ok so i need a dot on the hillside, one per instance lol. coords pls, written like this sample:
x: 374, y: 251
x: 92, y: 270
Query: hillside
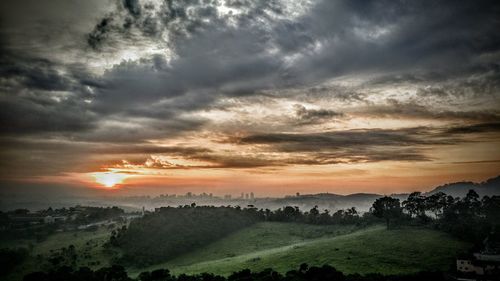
x: 169, y: 232
x: 363, y: 201
x: 282, y: 246
x: 88, y: 246
x: 286, y: 246
x: 459, y: 189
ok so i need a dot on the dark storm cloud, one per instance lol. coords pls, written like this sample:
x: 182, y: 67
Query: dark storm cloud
x: 179, y: 18
x: 99, y: 33
x: 24, y: 116
x: 413, y: 110
x: 443, y: 37
x: 212, y: 56
x: 98, y: 148
x: 476, y: 128
x: 21, y: 71
x: 40, y: 96
x: 133, y: 7
x: 27, y: 97
x: 349, y: 138
x: 208, y: 56
x: 230, y: 55
x: 129, y: 131
x: 351, y: 146
x: 348, y: 146
x: 362, y: 145
x: 314, y: 116
x: 336, y: 93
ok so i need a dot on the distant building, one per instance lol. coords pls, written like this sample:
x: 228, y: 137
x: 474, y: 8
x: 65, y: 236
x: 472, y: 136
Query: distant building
x: 227, y: 196
x: 251, y: 195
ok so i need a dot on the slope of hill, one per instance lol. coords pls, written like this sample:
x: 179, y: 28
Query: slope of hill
x: 459, y: 189
x: 170, y: 232
x: 363, y: 201
x: 285, y: 246
x: 88, y: 246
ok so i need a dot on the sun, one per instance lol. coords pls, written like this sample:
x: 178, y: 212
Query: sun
x: 109, y: 179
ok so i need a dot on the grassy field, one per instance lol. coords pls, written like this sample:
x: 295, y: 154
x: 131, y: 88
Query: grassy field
x: 88, y: 246
x: 285, y: 246
x: 259, y: 237
x: 282, y: 246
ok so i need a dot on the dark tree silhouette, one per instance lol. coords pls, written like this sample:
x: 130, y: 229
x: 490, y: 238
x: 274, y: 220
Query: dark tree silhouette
x: 415, y: 204
x: 387, y: 208
x: 437, y: 202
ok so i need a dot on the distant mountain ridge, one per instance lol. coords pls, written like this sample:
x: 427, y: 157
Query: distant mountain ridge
x: 363, y: 201
x: 459, y: 189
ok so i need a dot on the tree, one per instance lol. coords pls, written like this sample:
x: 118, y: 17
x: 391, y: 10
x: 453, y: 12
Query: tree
x: 491, y: 209
x: 472, y: 202
x: 324, y: 218
x: 313, y: 215
x: 291, y: 213
x: 437, y: 202
x: 415, y: 204
x: 387, y: 208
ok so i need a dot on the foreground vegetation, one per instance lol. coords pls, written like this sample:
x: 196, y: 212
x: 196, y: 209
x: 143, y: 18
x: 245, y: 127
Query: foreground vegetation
x: 260, y: 237
x: 282, y: 246
x: 423, y: 233
x: 73, y: 248
x: 371, y: 250
x: 303, y: 273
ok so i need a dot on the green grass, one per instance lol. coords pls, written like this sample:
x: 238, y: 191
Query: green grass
x: 286, y: 246
x: 282, y: 246
x: 86, y: 243
x: 259, y: 237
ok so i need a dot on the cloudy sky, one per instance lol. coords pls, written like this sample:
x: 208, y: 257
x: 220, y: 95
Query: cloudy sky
x: 270, y: 96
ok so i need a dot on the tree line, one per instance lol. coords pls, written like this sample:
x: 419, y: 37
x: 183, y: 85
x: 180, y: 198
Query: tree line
x: 303, y: 273
x: 469, y: 218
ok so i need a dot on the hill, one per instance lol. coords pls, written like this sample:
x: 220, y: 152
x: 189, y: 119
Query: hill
x: 88, y: 248
x: 459, y: 189
x: 283, y: 246
x: 169, y: 232
x: 363, y: 201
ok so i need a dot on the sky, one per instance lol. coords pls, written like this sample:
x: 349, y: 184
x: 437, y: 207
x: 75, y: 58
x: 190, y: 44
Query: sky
x: 230, y: 96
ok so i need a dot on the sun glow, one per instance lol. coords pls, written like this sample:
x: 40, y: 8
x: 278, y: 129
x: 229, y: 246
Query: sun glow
x: 109, y: 179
